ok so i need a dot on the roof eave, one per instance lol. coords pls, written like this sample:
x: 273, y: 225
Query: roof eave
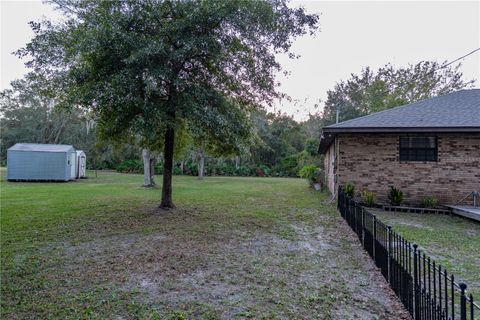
x: 399, y: 129
x: 326, y: 140
x: 329, y: 133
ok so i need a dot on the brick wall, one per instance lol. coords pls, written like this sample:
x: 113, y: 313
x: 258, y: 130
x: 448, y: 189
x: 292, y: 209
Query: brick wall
x: 371, y: 161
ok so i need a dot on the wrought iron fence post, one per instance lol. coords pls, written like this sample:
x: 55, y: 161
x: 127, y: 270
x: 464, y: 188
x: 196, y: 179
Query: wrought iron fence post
x: 415, y: 282
x: 389, y: 253
x: 363, y: 226
x: 349, y: 211
x: 463, y: 302
x: 338, y: 198
x: 374, y: 237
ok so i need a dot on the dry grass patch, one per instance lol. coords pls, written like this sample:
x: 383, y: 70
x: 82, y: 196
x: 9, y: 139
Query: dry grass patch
x: 236, y: 248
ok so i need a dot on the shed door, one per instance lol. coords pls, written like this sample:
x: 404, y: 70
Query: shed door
x: 73, y: 165
x: 82, y: 165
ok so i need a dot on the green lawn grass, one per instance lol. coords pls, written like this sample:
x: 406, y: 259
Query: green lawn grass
x: 452, y: 241
x: 262, y: 248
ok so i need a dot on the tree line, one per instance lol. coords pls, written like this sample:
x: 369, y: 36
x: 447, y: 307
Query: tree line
x: 279, y: 145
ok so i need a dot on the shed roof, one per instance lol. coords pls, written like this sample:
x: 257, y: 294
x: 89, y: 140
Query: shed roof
x: 41, y: 147
x: 454, y: 112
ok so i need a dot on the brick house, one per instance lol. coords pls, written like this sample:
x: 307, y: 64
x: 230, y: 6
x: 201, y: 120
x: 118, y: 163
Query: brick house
x: 427, y: 148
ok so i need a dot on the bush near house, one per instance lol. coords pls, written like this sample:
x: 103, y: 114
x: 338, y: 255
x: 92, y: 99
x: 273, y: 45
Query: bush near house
x: 349, y: 189
x: 368, y: 198
x: 314, y: 175
x: 395, y: 196
x: 310, y: 173
x: 429, y: 202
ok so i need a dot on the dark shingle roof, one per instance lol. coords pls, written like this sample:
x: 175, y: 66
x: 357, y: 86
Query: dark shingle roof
x: 41, y: 147
x: 454, y: 110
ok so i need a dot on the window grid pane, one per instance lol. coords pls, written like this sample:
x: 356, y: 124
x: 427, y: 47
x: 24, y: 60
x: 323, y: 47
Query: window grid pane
x: 418, y: 149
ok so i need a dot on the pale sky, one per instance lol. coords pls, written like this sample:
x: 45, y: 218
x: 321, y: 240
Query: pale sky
x: 352, y: 35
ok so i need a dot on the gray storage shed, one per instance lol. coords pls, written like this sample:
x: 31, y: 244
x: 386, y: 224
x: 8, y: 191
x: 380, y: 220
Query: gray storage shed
x: 41, y: 162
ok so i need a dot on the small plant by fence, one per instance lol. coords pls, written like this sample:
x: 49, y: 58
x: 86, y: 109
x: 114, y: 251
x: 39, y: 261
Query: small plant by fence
x: 426, y: 289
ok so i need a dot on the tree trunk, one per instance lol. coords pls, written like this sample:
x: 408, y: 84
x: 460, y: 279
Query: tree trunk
x: 60, y: 130
x: 168, y: 169
x: 201, y: 163
x: 237, y: 162
x: 147, y: 169
x: 152, y: 170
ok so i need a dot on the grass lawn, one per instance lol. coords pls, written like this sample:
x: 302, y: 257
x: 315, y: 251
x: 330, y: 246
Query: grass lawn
x: 451, y: 240
x: 235, y: 248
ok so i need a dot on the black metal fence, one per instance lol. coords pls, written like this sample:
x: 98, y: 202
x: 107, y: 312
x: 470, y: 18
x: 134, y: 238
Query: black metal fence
x: 425, y: 288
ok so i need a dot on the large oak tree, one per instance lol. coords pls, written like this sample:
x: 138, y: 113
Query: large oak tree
x: 148, y: 67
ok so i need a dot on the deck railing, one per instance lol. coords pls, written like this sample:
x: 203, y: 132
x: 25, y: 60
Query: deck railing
x: 426, y: 289
x: 475, y: 195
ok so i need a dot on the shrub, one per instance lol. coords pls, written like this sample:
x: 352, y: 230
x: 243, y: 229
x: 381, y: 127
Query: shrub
x: 286, y: 167
x: 429, y: 202
x: 177, y: 170
x: 266, y: 170
x: 227, y: 170
x: 158, y: 168
x: 259, y: 172
x: 102, y: 165
x: 309, y: 172
x: 395, y: 196
x: 243, y: 171
x: 349, y: 189
x: 130, y: 166
x: 368, y: 198
x: 191, y: 168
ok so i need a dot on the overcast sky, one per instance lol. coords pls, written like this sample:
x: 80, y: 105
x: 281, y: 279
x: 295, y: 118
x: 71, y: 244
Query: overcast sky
x: 352, y: 35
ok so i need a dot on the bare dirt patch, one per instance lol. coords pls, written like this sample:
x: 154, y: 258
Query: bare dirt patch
x: 290, y: 270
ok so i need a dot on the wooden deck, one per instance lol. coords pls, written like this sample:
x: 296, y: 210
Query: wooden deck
x: 466, y: 211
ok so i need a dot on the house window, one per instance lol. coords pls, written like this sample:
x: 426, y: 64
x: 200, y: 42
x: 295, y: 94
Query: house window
x: 418, y: 149
x: 69, y: 163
